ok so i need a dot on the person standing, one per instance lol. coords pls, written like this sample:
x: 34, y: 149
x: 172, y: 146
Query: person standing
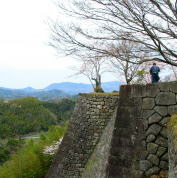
x: 154, y: 71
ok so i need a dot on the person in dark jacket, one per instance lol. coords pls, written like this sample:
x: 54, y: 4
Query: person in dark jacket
x: 154, y: 71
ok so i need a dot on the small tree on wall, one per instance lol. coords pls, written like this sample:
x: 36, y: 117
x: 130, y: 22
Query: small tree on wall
x: 92, y: 68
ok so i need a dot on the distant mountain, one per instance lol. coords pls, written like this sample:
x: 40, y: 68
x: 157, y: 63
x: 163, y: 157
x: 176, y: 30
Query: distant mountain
x: 29, y: 89
x: 70, y: 88
x: 75, y: 88
x: 40, y: 94
x: 111, y: 86
x: 56, y: 90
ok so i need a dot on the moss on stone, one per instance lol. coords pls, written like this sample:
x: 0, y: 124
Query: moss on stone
x: 89, y: 166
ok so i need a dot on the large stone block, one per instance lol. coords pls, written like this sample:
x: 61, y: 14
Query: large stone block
x: 154, y: 118
x: 165, y: 86
x: 162, y: 110
x: 163, y: 132
x: 145, y: 165
x: 152, y: 171
x: 163, y: 165
x: 165, y: 98
x: 151, y: 90
x: 161, y: 150
x: 165, y: 157
x: 172, y: 110
x: 137, y: 91
x: 164, y: 121
x: 145, y: 124
x: 147, y: 113
x: 152, y: 148
x: 153, y: 129
x: 173, y: 86
x: 148, y: 103
x: 161, y: 141
x: 153, y: 159
x: 150, y: 138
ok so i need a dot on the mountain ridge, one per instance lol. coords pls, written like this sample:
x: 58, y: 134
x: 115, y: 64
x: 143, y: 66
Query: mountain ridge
x: 75, y: 88
x: 56, y: 90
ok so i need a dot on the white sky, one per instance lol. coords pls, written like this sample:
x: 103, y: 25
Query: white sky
x: 25, y: 57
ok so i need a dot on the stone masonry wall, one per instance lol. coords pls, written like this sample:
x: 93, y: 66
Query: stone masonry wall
x: 91, y: 115
x: 97, y: 163
x: 139, y: 145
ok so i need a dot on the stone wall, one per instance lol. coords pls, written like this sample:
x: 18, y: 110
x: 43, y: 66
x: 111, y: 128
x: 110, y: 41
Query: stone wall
x: 97, y: 163
x: 134, y: 146
x: 139, y: 145
x: 91, y: 115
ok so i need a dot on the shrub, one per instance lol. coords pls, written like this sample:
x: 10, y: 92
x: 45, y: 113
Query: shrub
x: 30, y: 161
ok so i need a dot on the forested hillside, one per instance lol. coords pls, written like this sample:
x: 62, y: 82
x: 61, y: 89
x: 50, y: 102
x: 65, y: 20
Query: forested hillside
x: 62, y: 108
x: 23, y: 116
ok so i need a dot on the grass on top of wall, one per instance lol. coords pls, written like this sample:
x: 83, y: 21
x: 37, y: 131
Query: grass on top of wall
x: 172, y: 123
x: 102, y: 94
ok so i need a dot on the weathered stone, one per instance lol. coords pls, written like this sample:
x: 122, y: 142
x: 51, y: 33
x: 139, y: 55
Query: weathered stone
x: 152, y: 171
x: 152, y: 147
x: 163, y: 165
x: 162, y: 110
x: 164, y: 86
x: 90, y: 116
x: 161, y: 150
x: 172, y: 109
x: 164, y: 121
x: 173, y: 86
x: 99, y: 106
x: 145, y: 124
x: 138, y: 101
x: 150, y: 138
x: 152, y: 90
x: 153, y: 129
x: 153, y: 159
x: 145, y: 165
x: 165, y: 157
x: 163, y: 132
x: 161, y: 141
x: 154, y: 118
x: 147, y: 113
x: 165, y: 98
x: 137, y: 91
x: 148, y: 103
x: 143, y: 155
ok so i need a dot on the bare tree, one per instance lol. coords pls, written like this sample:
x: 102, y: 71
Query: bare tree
x: 92, y: 67
x: 153, y: 23
x: 127, y: 51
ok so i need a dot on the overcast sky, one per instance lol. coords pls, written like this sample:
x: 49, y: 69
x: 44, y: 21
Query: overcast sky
x: 25, y: 57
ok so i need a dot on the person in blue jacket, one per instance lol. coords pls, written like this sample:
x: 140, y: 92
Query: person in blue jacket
x: 154, y: 71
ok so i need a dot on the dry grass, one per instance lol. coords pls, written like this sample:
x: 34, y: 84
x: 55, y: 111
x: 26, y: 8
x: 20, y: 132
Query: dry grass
x: 163, y: 174
x: 103, y: 94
